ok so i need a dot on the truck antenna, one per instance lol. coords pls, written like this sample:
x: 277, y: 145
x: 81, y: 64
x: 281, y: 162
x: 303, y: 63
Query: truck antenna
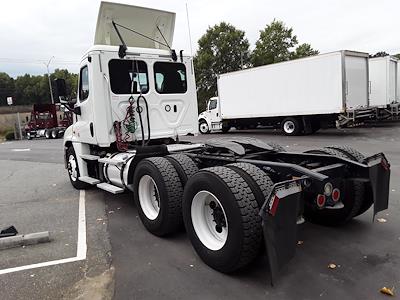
x: 190, y: 36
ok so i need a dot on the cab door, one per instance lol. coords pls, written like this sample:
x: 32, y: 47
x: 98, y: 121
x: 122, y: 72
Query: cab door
x: 213, y: 110
x: 84, y: 128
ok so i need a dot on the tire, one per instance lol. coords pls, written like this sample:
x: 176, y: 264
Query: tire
x: 352, y: 200
x: 203, y: 127
x: 158, y: 195
x: 28, y: 136
x: 184, y: 166
x: 276, y: 147
x: 225, y: 128
x: 47, y: 134
x: 238, y: 242
x: 259, y: 182
x: 73, y: 170
x: 54, y: 134
x: 355, y: 155
x: 291, y: 126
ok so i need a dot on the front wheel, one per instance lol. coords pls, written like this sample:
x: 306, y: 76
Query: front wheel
x: 73, y: 170
x: 203, y: 127
x: 28, y: 136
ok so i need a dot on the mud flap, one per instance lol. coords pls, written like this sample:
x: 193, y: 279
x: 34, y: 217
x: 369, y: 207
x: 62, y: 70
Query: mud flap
x: 379, y: 176
x: 279, y: 215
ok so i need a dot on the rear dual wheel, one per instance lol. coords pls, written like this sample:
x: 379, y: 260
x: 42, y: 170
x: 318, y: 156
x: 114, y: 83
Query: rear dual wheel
x: 221, y: 214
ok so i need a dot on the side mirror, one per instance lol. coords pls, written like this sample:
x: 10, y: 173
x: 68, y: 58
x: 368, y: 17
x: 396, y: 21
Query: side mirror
x: 61, y: 90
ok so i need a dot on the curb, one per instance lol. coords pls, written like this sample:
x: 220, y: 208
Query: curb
x: 24, y: 240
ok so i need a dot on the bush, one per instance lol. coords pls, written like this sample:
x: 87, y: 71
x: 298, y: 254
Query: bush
x: 10, y: 136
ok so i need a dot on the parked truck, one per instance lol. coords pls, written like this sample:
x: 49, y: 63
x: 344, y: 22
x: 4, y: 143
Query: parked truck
x: 384, y: 81
x: 137, y: 98
x: 44, y: 122
x: 298, y: 96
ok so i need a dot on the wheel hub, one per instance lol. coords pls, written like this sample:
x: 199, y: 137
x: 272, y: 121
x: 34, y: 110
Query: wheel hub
x: 209, y: 220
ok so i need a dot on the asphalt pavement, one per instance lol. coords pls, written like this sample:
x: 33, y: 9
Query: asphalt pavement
x: 126, y: 261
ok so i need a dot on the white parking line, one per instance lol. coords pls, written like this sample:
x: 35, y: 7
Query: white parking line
x: 21, y: 149
x: 81, y: 247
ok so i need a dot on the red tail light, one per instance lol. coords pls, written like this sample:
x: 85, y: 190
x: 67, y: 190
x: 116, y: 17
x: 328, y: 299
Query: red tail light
x: 321, y: 201
x: 336, y: 195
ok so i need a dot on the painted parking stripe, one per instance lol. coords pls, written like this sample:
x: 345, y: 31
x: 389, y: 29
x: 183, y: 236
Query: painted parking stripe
x: 21, y: 149
x: 81, y: 248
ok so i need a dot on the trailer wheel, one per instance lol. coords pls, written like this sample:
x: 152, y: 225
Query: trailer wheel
x: 225, y: 127
x: 352, y: 199
x: 356, y: 155
x: 220, y: 213
x: 184, y: 165
x: 291, y: 126
x: 54, y: 134
x: 259, y: 182
x: 47, y: 134
x: 203, y: 127
x: 158, y: 195
x: 276, y: 147
x: 73, y: 170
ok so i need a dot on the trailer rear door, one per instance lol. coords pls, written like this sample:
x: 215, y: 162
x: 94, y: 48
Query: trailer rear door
x: 392, y: 81
x: 356, y: 81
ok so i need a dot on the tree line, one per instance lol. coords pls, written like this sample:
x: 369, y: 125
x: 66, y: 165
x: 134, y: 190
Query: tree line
x: 29, y: 89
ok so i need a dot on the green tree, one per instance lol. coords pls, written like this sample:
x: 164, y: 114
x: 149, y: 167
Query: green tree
x: 276, y: 44
x: 397, y: 56
x: 304, y: 50
x: 222, y: 49
x: 7, y: 88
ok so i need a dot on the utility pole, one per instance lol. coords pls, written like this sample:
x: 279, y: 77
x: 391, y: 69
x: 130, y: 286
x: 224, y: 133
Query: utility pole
x: 48, y: 76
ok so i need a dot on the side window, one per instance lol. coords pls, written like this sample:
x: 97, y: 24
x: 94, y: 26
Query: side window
x: 170, y: 78
x: 128, y: 76
x: 213, y: 104
x: 84, y: 84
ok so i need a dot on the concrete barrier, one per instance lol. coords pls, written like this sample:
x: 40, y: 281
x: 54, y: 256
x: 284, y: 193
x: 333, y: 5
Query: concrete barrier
x: 24, y: 240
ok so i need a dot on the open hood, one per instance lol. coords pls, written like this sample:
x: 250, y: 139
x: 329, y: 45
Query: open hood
x: 140, y: 19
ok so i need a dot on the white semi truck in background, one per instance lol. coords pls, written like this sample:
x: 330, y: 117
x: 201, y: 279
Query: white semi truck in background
x: 384, y: 86
x: 136, y: 97
x: 299, y: 96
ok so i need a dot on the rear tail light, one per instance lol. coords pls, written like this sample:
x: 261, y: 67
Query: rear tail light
x: 336, y: 195
x: 321, y: 200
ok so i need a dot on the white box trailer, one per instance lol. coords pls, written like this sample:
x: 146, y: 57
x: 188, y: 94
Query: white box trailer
x: 324, y: 88
x: 383, y: 74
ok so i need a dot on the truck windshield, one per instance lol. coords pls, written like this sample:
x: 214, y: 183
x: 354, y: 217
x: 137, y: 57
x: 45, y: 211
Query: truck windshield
x: 128, y: 76
x: 170, y: 78
x: 44, y: 116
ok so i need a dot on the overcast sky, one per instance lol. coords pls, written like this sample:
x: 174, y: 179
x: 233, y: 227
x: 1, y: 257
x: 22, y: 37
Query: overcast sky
x: 33, y: 31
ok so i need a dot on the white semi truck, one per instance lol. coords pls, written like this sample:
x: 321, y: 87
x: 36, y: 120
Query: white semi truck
x: 136, y: 98
x: 298, y: 96
x: 384, y: 85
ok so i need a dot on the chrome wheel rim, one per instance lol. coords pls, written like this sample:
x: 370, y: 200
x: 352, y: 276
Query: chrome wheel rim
x: 203, y: 127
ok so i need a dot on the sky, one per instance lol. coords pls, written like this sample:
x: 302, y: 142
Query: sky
x: 31, y: 32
